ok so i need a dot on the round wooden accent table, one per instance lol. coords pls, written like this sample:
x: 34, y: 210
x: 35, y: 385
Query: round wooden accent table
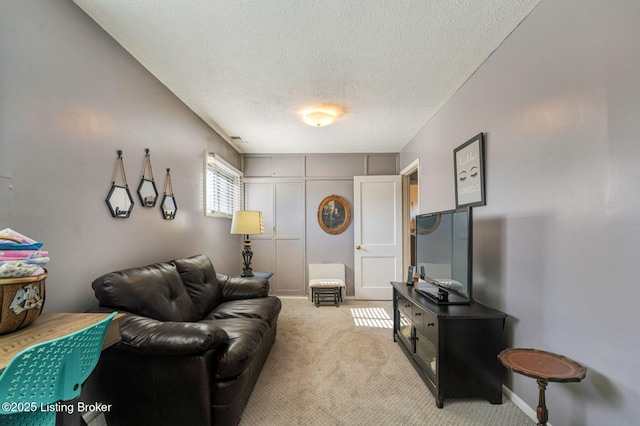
x: 544, y: 367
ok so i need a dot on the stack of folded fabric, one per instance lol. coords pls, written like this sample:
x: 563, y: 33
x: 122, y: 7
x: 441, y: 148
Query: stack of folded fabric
x: 20, y: 256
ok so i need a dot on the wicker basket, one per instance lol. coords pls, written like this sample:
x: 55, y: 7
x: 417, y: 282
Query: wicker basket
x: 21, y: 301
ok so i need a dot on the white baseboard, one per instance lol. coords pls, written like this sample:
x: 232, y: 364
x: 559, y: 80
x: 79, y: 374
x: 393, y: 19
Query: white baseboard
x: 530, y: 412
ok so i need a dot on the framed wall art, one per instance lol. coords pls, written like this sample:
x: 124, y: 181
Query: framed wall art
x: 469, y: 172
x: 334, y: 214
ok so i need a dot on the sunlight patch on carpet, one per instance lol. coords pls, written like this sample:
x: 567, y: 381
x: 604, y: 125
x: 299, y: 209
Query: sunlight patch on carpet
x: 371, y: 317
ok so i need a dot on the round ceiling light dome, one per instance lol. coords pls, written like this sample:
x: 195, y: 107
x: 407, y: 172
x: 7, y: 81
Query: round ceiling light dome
x: 318, y: 118
x: 322, y: 115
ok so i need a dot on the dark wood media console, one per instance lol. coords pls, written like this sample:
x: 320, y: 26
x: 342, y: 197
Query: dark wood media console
x: 454, y: 348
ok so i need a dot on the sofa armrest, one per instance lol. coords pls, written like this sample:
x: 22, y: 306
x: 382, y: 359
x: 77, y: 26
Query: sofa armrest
x: 153, y: 337
x: 234, y: 288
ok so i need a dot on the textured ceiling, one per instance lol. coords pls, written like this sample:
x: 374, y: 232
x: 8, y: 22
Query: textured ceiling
x: 248, y: 68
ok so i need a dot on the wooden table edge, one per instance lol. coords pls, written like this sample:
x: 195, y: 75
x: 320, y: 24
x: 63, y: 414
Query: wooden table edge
x: 577, y: 378
x: 52, y: 326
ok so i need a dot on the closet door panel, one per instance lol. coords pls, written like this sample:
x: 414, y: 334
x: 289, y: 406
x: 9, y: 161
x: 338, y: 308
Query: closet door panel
x: 263, y: 256
x: 289, y: 238
x: 281, y: 249
x: 259, y: 196
x: 289, y: 219
x: 289, y: 268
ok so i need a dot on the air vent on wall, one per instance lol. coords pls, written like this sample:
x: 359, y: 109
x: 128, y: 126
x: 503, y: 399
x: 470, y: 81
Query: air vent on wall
x: 238, y: 140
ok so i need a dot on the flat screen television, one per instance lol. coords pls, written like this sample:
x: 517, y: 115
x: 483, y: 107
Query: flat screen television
x: 444, y: 256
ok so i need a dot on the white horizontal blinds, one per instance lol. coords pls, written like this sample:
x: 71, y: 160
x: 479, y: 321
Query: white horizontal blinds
x: 224, y: 187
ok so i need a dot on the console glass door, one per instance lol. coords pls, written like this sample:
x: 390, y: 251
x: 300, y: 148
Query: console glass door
x: 426, y: 350
x: 404, y: 329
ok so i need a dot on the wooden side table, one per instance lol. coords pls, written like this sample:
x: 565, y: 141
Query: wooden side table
x: 544, y: 367
x: 266, y: 275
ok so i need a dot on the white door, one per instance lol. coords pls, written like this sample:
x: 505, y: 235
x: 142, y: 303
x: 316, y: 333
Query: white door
x: 377, y: 219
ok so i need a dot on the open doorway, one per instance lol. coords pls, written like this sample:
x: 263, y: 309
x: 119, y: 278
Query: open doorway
x: 411, y: 208
x: 414, y: 209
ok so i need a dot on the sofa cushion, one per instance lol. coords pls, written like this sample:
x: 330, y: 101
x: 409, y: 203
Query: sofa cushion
x: 234, y: 288
x: 155, y: 291
x: 200, y: 279
x: 266, y: 308
x: 245, y: 339
x: 153, y: 337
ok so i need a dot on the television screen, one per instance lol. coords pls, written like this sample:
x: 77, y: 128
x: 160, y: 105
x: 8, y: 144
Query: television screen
x: 443, y: 255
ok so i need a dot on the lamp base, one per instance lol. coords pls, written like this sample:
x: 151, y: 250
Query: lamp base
x: 247, y: 254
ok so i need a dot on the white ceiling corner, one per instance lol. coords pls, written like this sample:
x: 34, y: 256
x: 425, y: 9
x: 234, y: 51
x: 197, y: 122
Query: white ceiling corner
x: 248, y: 68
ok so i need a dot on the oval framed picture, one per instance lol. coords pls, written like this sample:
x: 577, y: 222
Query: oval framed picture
x: 334, y: 214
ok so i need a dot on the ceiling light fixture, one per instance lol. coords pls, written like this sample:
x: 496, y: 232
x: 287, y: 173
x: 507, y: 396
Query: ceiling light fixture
x: 322, y: 115
x: 318, y: 118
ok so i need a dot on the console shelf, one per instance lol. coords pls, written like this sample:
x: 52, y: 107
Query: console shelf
x: 454, y: 348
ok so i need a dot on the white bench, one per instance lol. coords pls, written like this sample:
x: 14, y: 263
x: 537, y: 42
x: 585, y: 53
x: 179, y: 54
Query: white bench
x: 327, y: 283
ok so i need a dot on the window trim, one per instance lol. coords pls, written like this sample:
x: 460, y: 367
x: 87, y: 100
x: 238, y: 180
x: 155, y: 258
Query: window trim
x: 220, y: 167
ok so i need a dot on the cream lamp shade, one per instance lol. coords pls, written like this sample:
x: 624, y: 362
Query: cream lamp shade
x: 247, y: 222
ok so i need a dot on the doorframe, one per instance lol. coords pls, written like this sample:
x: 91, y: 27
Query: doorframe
x: 406, y: 173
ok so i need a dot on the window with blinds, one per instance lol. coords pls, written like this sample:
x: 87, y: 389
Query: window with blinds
x: 223, y: 187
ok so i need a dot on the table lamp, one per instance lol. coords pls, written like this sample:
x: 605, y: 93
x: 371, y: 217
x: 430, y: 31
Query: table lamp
x: 247, y: 222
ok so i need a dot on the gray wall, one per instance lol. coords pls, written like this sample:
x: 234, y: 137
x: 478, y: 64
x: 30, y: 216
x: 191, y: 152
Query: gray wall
x: 323, y: 175
x: 333, y: 174
x: 556, y: 246
x: 70, y: 96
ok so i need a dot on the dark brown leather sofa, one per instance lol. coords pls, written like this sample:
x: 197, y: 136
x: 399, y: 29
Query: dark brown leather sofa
x: 193, y: 343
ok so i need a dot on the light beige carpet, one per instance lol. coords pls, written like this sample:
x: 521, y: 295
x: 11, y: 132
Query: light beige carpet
x: 340, y: 366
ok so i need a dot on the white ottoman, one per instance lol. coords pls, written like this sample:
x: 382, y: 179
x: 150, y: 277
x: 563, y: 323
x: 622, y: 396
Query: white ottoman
x: 327, y: 283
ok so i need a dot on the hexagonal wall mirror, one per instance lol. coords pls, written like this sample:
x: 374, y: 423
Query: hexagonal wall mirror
x: 119, y: 198
x: 169, y: 207
x: 147, y: 191
x: 119, y: 201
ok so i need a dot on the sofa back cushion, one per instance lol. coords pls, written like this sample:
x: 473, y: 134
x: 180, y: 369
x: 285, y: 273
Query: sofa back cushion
x: 155, y: 291
x: 200, y: 279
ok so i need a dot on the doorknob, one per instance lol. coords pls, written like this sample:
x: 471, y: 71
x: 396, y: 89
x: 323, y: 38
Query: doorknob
x: 357, y: 247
